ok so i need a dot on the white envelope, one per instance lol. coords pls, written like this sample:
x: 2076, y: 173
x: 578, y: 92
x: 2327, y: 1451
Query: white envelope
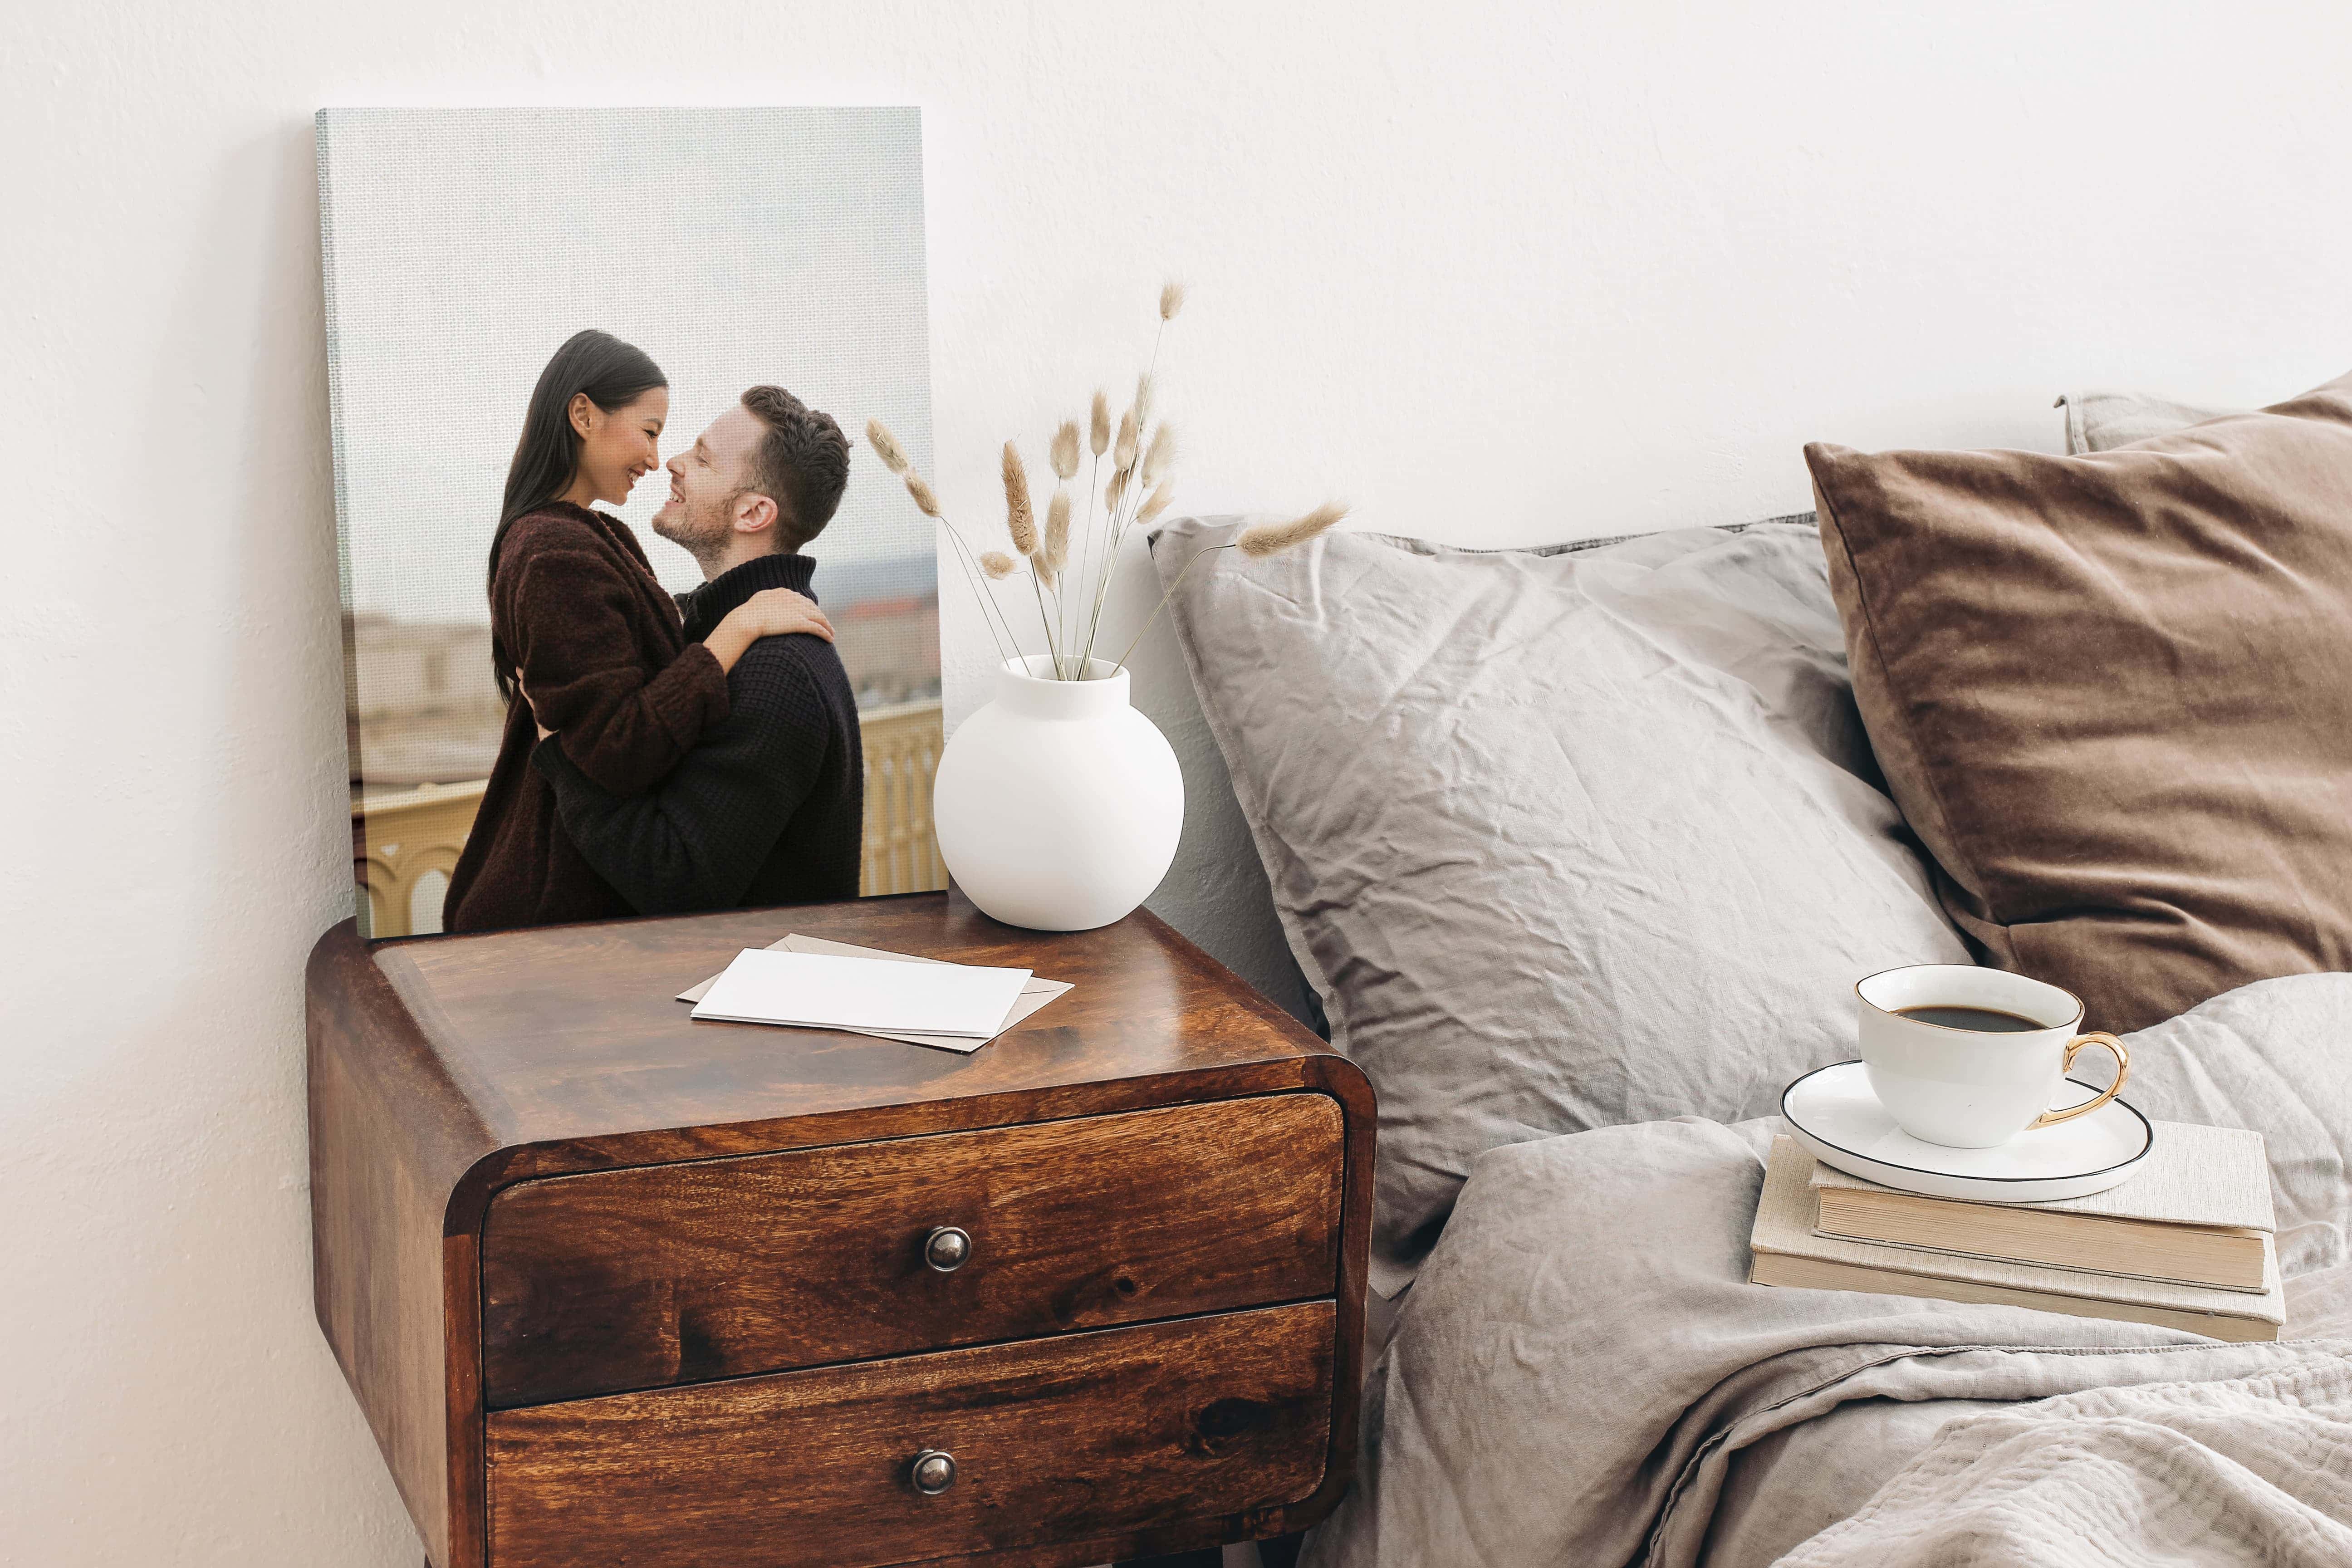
x: 1035, y: 993
x: 830, y: 991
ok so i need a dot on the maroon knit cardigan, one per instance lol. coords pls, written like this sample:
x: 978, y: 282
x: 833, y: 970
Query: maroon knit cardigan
x: 602, y: 656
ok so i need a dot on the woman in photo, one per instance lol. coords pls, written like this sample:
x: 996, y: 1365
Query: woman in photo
x: 588, y: 647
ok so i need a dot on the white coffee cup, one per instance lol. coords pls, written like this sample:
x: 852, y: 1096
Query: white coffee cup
x: 1973, y: 1086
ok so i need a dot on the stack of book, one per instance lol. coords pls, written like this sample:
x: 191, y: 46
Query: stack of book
x: 2187, y: 1243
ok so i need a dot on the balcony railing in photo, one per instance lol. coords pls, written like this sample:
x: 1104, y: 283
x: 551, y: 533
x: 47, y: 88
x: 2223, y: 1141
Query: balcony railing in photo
x: 405, y: 843
x: 902, y: 753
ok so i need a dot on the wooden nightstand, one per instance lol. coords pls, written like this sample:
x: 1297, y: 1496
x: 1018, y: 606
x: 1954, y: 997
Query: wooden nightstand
x: 617, y: 1288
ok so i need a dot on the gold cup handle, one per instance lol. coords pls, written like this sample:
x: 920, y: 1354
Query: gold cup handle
x: 2074, y: 1047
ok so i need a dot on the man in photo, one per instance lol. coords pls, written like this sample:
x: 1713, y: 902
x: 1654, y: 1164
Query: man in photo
x: 768, y: 807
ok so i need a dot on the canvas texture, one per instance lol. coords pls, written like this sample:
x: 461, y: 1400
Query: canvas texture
x: 2113, y: 695
x: 735, y: 247
x: 1562, y: 838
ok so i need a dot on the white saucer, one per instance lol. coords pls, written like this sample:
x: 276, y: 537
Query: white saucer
x: 1840, y: 1122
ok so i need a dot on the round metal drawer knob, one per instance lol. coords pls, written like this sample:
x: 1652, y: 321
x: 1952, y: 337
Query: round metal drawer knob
x: 945, y: 1250
x: 934, y: 1471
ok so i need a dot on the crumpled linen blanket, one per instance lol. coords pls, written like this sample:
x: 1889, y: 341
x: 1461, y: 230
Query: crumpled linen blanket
x: 1581, y: 1374
x: 2255, y: 1469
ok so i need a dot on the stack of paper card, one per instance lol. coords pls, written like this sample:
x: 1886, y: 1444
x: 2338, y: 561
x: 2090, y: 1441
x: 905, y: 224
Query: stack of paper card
x: 810, y: 983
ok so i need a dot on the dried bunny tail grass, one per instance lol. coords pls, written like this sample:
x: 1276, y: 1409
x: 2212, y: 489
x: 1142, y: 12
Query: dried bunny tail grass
x: 1100, y: 434
x: 997, y: 565
x: 1172, y: 300
x: 886, y: 446
x: 1065, y: 450
x: 1143, y: 400
x: 1115, y: 491
x: 1157, y: 502
x: 1019, y: 520
x: 924, y: 500
x: 1122, y: 456
x: 1058, y: 532
x: 1274, y: 538
x: 1161, y: 456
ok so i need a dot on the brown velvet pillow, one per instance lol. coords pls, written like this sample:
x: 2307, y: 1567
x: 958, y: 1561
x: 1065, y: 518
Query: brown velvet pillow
x: 2113, y: 695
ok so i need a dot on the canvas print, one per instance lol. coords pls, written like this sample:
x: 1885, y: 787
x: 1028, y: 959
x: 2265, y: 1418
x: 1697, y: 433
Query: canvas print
x: 632, y: 622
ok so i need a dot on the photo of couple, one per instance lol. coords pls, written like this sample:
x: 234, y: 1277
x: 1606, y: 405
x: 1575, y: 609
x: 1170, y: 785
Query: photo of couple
x: 631, y: 625
x: 661, y: 756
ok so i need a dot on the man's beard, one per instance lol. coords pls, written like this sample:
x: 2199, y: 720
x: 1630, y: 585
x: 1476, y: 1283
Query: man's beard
x: 700, y: 531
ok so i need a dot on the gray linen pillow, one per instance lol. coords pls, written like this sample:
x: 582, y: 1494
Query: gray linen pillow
x: 2267, y: 1056
x: 1562, y: 838
x: 2101, y: 421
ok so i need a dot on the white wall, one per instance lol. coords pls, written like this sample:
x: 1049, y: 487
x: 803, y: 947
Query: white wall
x: 1498, y: 275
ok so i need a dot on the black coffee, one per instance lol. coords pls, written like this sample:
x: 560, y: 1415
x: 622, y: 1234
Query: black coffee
x: 1985, y: 1020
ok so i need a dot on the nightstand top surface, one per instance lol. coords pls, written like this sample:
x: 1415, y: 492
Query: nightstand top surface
x: 571, y: 1033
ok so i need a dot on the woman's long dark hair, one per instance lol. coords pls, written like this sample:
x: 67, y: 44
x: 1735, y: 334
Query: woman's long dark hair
x: 613, y: 374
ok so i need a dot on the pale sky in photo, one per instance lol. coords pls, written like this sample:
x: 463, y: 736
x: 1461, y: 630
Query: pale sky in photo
x: 734, y: 246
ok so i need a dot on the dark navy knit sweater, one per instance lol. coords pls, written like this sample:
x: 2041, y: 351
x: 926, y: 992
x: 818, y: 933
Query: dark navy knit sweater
x: 768, y: 808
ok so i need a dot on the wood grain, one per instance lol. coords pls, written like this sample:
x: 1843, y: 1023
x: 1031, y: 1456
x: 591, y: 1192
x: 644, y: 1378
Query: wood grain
x: 665, y: 1274
x: 568, y: 1041
x: 444, y: 1070
x: 1055, y: 1439
x: 391, y: 1138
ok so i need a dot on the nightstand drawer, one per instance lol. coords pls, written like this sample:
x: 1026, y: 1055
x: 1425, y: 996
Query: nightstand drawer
x: 638, y: 1279
x: 1064, y: 1439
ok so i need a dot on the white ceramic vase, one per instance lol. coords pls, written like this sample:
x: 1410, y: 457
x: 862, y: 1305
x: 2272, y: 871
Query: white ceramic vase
x: 1057, y: 804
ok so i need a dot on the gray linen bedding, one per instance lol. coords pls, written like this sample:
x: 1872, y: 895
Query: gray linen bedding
x: 1513, y: 805
x: 1581, y: 1374
x: 2252, y: 1469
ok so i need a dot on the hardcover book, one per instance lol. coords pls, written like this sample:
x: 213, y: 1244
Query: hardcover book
x: 1788, y: 1252
x: 2197, y: 1212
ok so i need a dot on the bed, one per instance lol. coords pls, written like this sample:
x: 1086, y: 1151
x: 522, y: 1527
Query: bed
x: 1578, y: 849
